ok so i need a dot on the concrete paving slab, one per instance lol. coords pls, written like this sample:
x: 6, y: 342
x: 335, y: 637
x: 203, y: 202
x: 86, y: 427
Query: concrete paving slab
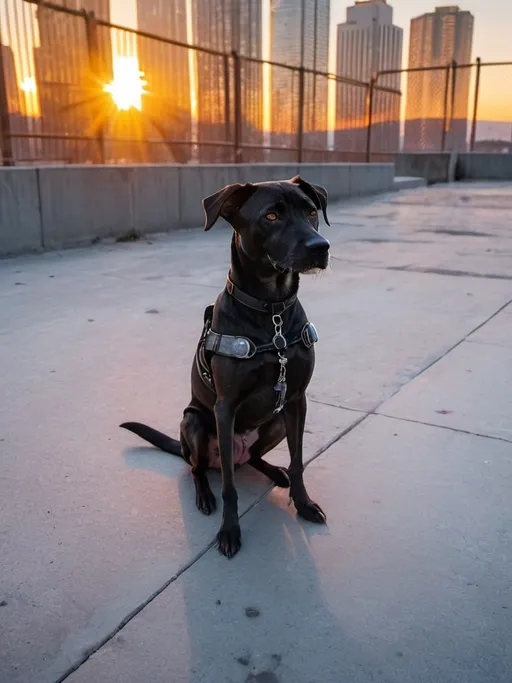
x: 496, y: 331
x: 93, y: 523
x: 102, y: 523
x: 323, y: 423
x: 409, y: 581
x: 459, y: 230
x: 470, y: 389
x: 385, y: 327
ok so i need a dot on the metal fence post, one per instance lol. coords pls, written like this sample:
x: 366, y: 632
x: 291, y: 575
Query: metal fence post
x: 454, y: 90
x: 369, y: 117
x: 445, y: 110
x: 475, y: 105
x: 300, y: 123
x: 227, y: 99
x: 5, y: 122
x: 96, y: 71
x: 237, y: 149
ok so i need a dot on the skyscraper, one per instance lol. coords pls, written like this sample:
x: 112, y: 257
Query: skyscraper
x: 166, y: 111
x: 368, y: 42
x: 12, y: 93
x: 436, y: 39
x: 299, y: 37
x: 226, y: 25
x: 66, y: 93
x: 17, y: 119
x: 101, y: 8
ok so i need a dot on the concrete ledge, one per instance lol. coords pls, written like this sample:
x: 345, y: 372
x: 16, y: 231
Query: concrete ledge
x: 197, y: 182
x: 404, y: 183
x: 433, y: 166
x: 365, y: 177
x: 349, y: 180
x: 257, y: 173
x: 478, y: 166
x: 334, y: 177
x: 156, y: 198
x: 20, y: 220
x: 82, y: 203
x: 61, y: 206
x: 442, y: 167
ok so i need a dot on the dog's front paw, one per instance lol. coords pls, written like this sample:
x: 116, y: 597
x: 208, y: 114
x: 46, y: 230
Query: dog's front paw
x: 229, y: 540
x: 310, y: 511
x: 205, y: 501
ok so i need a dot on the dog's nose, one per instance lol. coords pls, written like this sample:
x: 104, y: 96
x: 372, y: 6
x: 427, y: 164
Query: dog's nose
x: 317, y: 243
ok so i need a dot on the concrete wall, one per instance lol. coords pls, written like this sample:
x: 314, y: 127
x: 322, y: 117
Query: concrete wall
x: 435, y: 167
x: 443, y: 167
x: 477, y: 166
x: 58, y: 206
x: 20, y: 216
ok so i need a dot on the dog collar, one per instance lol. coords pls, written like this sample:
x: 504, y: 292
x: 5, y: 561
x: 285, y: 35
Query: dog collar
x: 273, y: 308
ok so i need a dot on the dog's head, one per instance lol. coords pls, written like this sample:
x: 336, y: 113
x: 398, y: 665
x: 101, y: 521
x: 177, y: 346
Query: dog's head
x: 275, y: 221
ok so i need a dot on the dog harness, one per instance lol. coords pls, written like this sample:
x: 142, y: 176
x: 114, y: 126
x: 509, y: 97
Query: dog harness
x: 244, y: 348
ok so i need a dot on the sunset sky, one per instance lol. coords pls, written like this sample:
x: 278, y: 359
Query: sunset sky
x: 493, y: 22
x: 492, y: 41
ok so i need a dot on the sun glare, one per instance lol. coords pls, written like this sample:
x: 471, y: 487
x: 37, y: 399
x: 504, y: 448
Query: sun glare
x: 127, y: 87
x: 28, y: 85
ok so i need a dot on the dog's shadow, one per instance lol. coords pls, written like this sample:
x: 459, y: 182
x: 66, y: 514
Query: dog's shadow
x: 251, y: 485
x: 153, y: 460
x: 256, y: 595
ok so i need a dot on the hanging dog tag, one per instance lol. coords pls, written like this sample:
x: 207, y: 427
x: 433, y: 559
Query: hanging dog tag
x: 280, y: 388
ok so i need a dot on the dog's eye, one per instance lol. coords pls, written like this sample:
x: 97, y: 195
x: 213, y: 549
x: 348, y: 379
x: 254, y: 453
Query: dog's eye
x: 271, y: 216
x: 312, y: 213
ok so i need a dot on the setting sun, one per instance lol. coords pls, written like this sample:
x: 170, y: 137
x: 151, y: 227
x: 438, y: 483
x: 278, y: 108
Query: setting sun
x: 127, y: 87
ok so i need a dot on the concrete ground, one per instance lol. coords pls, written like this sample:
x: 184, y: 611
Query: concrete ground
x: 107, y: 571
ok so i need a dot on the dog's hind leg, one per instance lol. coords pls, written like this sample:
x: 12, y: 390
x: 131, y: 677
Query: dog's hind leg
x: 269, y: 436
x: 194, y: 445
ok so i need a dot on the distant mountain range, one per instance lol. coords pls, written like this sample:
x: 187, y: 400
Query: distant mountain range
x: 494, y: 130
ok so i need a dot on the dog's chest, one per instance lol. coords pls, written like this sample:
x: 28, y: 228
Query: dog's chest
x: 259, y: 397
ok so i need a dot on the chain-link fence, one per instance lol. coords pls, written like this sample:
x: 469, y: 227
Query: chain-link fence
x: 491, y: 123
x: 456, y: 107
x: 101, y: 93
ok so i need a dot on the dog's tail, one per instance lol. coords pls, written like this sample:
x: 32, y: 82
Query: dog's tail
x: 155, y: 438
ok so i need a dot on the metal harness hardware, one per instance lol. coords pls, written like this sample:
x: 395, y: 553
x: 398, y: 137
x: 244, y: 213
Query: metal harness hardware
x: 279, y: 342
x: 244, y: 348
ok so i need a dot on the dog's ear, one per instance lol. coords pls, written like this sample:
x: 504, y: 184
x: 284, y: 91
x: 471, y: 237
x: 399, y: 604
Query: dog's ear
x: 316, y: 193
x: 226, y: 202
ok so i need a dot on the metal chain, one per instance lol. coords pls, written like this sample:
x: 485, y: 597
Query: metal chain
x: 280, y: 344
x: 278, y: 340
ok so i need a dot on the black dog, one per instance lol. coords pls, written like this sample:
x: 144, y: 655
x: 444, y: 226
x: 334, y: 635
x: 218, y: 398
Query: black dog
x: 248, y: 392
